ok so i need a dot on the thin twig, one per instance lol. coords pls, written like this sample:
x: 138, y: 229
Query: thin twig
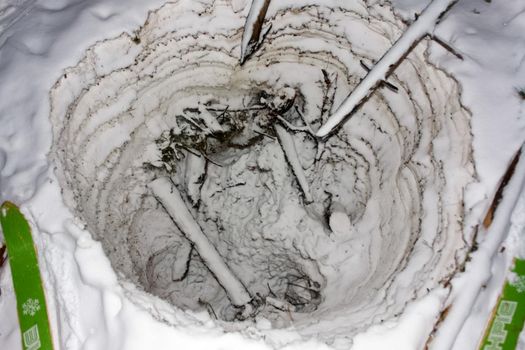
x: 303, y: 287
x: 190, y: 151
x: 211, y: 160
x: 297, y: 300
x: 171, y: 199
x: 194, y: 123
x: 222, y: 109
x: 279, y: 304
x: 270, y: 289
x: 446, y: 46
x: 303, y: 118
x: 223, y: 112
x: 209, y: 308
x: 253, y: 33
x: 392, y: 87
x: 328, y: 96
x: 291, y: 127
x: 264, y: 134
x: 288, y: 146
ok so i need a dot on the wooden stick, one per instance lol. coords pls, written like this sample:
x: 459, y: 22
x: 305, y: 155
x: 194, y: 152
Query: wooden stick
x: 417, y: 30
x: 446, y: 47
x: 170, y: 198
x: 288, y: 146
x: 253, y: 33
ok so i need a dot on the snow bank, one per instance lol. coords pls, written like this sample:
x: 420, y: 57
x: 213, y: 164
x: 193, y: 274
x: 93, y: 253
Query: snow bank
x: 101, y: 303
x: 146, y: 105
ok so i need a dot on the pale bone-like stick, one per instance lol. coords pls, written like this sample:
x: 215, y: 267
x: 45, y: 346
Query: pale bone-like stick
x: 253, y: 33
x: 417, y: 30
x: 288, y: 146
x: 170, y: 198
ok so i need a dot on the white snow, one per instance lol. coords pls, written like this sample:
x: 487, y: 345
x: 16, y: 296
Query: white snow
x: 93, y: 307
x: 468, y: 285
x: 390, y: 170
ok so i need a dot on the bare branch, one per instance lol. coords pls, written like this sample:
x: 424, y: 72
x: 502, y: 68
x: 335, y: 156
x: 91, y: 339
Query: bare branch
x: 253, y: 34
x: 170, y: 198
x: 288, y: 146
x: 417, y: 30
x: 292, y: 127
x: 447, y: 47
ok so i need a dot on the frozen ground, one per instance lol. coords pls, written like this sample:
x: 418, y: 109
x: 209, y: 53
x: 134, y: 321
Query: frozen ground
x: 91, y: 310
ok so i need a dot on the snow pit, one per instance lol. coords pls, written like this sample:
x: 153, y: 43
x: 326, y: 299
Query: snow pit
x: 328, y: 235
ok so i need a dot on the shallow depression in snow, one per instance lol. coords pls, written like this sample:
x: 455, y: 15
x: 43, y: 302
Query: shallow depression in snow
x: 329, y: 235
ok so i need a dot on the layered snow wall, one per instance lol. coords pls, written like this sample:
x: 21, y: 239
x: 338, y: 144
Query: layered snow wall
x: 380, y: 222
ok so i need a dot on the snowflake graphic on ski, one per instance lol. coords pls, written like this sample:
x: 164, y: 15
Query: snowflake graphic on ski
x: 519, y: 284
x: 30, y: 307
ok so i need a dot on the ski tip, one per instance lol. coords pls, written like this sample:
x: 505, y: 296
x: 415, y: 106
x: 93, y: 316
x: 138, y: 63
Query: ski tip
x: 7, y: 205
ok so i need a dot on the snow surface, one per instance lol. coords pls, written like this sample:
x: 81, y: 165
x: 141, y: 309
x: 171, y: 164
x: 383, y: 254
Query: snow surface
x: 91, y: 309
x: 391, y: 169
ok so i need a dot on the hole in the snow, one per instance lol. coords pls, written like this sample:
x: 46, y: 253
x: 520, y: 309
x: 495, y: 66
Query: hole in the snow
x: 349, y: 228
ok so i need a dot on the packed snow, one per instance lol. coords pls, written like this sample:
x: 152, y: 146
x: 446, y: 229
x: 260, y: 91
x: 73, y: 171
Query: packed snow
x: 358, y: 240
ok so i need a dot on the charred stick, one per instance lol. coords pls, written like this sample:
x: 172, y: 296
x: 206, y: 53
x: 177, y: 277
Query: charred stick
x: 288, y: 146
x: 446, y: 47
x: 415, y: 32
x: 253, y: 34
x: 264, y: 134
x: 170, y: 198
x: 291, y: 127
x: 330, y: 81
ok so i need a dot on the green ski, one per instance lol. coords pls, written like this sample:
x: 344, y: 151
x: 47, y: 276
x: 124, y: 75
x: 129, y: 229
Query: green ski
x: 30, y: 298
x: 509, y: 314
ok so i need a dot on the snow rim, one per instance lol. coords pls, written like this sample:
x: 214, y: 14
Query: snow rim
x: 457, y: 172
